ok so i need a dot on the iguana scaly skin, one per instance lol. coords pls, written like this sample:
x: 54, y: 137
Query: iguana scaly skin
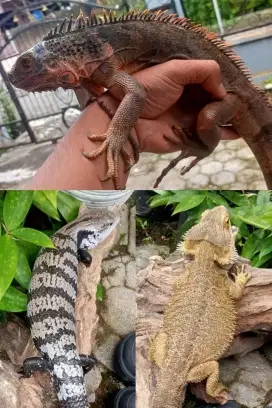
x: 51, y: 308
x: 199, y: 321
x: 102, y: 54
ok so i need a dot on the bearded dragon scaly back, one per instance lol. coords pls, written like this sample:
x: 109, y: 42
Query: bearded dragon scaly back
x: 103, y: 53
x: 199, y: 321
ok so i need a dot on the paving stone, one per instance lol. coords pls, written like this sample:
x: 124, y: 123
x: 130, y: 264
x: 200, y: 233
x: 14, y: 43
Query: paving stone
x: 222, y: 178
x: 235, y: 165
x: 131, y: 275
x: 212, y: 167
x: 120, y: 310
x: 104, y: 353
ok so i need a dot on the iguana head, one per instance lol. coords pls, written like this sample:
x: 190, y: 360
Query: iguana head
x: 46, y: 67
x: 215, y: 228
x: 65, y: 57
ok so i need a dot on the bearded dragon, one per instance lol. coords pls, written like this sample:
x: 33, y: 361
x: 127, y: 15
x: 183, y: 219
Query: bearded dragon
x: 51, y: 307
x: 99, y: 53
x: 199, y: 321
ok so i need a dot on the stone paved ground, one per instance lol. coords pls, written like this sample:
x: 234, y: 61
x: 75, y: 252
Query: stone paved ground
x: 231, y: 166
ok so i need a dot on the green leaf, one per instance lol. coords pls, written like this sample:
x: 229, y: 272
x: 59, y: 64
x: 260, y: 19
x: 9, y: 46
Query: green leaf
x: 14, y: 301
x: 8, y: 262
x: 34, y: 236
x: 100, y: 292
x: 44, y: 200
x: 218, y: 199
x: 263, y: 197
x: 258, y: 262
x: 68, y: 206
x: 158, y: 201
x: 266, y: 247
x: 16, y: 207
x: 164, y: 192
x: 189, y: 199
x: 252, y: 243
x: 235, y: 197
x: 30, y: 250
x: 243, y: 230
x: 2, y: 200
x: 259, y: 216
x: 23, y: 273
x: 52, y: 196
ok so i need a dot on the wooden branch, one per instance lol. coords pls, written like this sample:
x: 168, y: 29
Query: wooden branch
x: 154, y: 285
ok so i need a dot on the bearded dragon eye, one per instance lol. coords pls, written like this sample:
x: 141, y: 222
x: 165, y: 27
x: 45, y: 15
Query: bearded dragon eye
x: 226, y: 223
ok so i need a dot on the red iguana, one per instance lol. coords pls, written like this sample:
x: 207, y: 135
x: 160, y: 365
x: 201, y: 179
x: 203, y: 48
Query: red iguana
x: 200, y: 318
x: 102, y: 53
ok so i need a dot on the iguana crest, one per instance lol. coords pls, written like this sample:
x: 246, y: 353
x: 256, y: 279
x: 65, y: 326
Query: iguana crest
x: 108, y: 17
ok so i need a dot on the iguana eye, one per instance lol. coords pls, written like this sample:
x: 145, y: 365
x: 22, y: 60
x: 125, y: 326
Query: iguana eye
x: 26, y: 62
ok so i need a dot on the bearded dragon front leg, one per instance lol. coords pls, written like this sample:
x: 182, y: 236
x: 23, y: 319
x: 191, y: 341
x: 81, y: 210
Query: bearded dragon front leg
x: 115, y: 139
x: 241, y: 278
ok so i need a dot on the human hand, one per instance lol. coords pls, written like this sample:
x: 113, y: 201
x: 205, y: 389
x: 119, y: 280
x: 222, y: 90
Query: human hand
x: 168, y: 105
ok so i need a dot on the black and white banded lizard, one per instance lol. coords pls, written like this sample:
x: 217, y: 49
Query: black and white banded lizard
x: 51, y: 308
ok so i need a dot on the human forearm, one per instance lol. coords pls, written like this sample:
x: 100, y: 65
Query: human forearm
x: 67, y: 168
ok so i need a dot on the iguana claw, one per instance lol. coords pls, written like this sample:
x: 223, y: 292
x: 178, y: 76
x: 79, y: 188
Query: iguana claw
x: 114, y: 150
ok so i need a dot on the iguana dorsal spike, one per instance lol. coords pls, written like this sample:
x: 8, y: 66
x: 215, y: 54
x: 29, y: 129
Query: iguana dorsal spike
x: 137, y: 14
x: 129, y: 15
x: 101, y: 21
x: 70, y: 24
x: 144, y: 14
x: 88, y: 21
x: 94, y: 18
x: 114, y: 16
x: 63, y: 24
x: 56, y: 29
x: 158, y: 14
x: 152, y: 16
x: 121, y: 18
x: 110, y: 16
x: 105, y: 17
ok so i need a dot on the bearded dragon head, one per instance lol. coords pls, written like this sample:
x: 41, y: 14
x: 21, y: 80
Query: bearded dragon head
x: 66, y: 58
x: 215, y: 228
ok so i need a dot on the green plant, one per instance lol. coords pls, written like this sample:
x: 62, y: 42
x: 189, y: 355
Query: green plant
x: 250, y: 212
x: 9, y: 115
x: 203, y: 11
x: 19, y: 244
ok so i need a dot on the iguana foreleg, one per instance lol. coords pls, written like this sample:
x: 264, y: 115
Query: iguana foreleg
x: 115, y: 139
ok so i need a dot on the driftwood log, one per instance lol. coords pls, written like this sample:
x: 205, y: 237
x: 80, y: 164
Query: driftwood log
x: 154, y: 284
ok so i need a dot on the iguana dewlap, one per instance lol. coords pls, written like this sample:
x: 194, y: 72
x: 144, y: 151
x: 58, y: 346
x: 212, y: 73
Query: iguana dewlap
x: 199, y: 320
x: 102, y: 54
